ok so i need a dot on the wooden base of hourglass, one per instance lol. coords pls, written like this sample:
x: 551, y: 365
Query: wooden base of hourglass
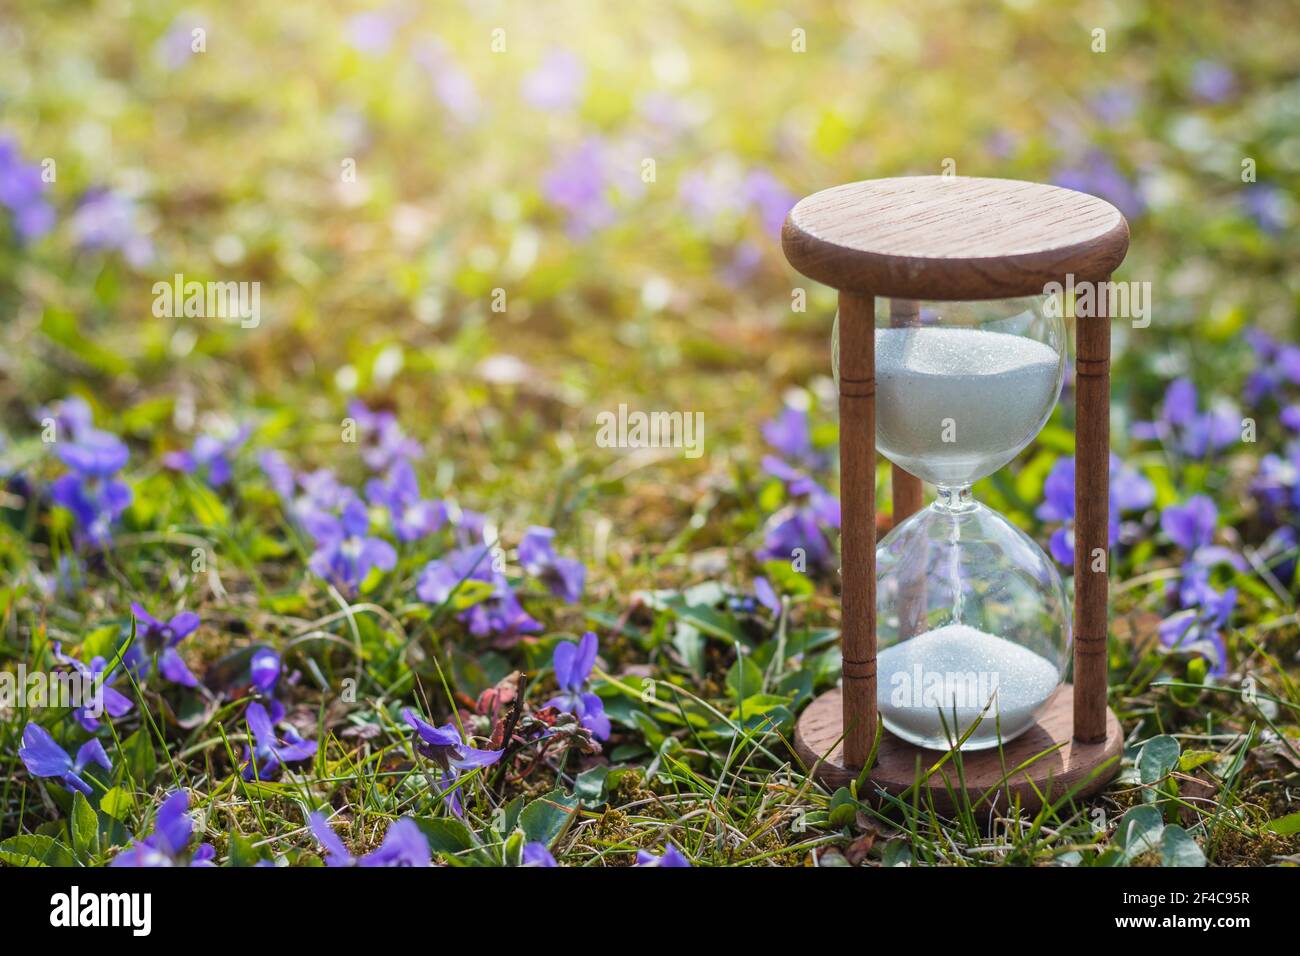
x: 1045, y: 763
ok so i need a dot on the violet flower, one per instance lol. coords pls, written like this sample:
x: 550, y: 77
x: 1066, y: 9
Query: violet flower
x: 112, y: 701
x: 573, y: 664
x: 791, y: 434
x: 798, y: 527
x: 1182, y: 428
x: 22, y: 191
x: 1129, y: 491
x: 767, y: 596
x: 537, y: 854
x: 1202, y: 611
x: 269, y: 750
x: 557, y: 83
x: 345, y: 551
x: 1276, y: 364
x: 1097, y: 174
x: 90, y: 491
x: 672, y: 857
x: 168, y: 845
x: 444, y: 747
x: 578, y: 183
x: 412, y: 517
x: 769, y: 198
x: 155, y: 641
x: 106, y: 220
x: 563, y: 577
x: 384, y: 441
x: 209, y: 458
x: 404, y: 845
x: 44, y: 758
x: 278, y: 471
x: 499, y: 614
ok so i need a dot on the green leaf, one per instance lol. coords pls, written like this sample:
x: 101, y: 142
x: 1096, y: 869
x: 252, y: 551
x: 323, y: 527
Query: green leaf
x: 744, y: 679
x: 589, y: 786
x: 1177, y: 848
x: 446, y: 835
x: 141, y: 762
x: 116, y: 803
x: 1139, y: 831
x: 546, y: 817
x: 241, y: 852
x: 843, y: 808
x: 33, y: 849
x: 1192, y: 759
x: 1158, y: 758
x: 1286, y: 825
x: 84, y: 827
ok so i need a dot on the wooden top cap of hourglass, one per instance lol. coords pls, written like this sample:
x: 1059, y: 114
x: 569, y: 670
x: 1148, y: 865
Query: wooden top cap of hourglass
x: 953, y: 237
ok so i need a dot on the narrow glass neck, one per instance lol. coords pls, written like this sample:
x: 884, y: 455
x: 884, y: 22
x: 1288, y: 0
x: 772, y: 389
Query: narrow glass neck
x: 953, y: 498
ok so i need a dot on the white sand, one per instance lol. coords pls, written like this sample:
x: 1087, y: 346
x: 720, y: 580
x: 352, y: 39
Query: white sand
x: 959, y: 667
x: 989, y: 390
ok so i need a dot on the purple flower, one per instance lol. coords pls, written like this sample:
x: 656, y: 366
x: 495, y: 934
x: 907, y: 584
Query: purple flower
x: 372, y: 31
x: 269, y: 750
x: 404, y: 845
x: 790, y: 434
x: 798, y: 527
x: 72, y: 416
x: 209, y: 459
x: 90, y: 491
x: 767, y: 596
x: 168, y: 845
x: 176, y: 46
x: 345, y: 551
x: 1129, y: 491
x: 537, y: 854
x: 672, y: 857
x: 1098, y: 175
x: 444, y: 747
x: 451, y: 85
x: 1275, y: 485
x: 112, y: 702
x: 578, y: 183
x: 413, y: 517
x: 278, y: 472
x: 44, y: 758
x: 499, y: 613
x: 22, y: 191
x: 156, y: 641
x: 563, y: 577
x: 1267, y: 206
x: 1191, y: 526
x: 384, y: 441
x: 1199, y: 628
x: 573, y: 664
x: 557, y: 83
x: 1212, y: 82
x: 264, y: 669
x: 1181, y: 427
x: 769, y: 198
x: 105, y: 220
x: 1115, y: 105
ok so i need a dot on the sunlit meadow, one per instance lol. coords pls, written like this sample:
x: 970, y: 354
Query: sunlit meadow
x: 337, y: 533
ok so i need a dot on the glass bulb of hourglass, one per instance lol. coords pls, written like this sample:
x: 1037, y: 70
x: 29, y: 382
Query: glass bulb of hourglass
x: 973, y: 623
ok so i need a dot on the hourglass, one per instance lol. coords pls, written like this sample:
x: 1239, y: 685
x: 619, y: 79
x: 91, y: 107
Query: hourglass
x: 957, y: 635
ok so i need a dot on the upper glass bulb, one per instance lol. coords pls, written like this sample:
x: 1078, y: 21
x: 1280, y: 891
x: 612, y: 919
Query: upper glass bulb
x: 962, y: 387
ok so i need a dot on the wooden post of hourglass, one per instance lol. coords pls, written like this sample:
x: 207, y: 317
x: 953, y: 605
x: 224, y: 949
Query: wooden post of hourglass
x: 950, y: 238
x: 858, y: 522
x: 1091, y: 521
